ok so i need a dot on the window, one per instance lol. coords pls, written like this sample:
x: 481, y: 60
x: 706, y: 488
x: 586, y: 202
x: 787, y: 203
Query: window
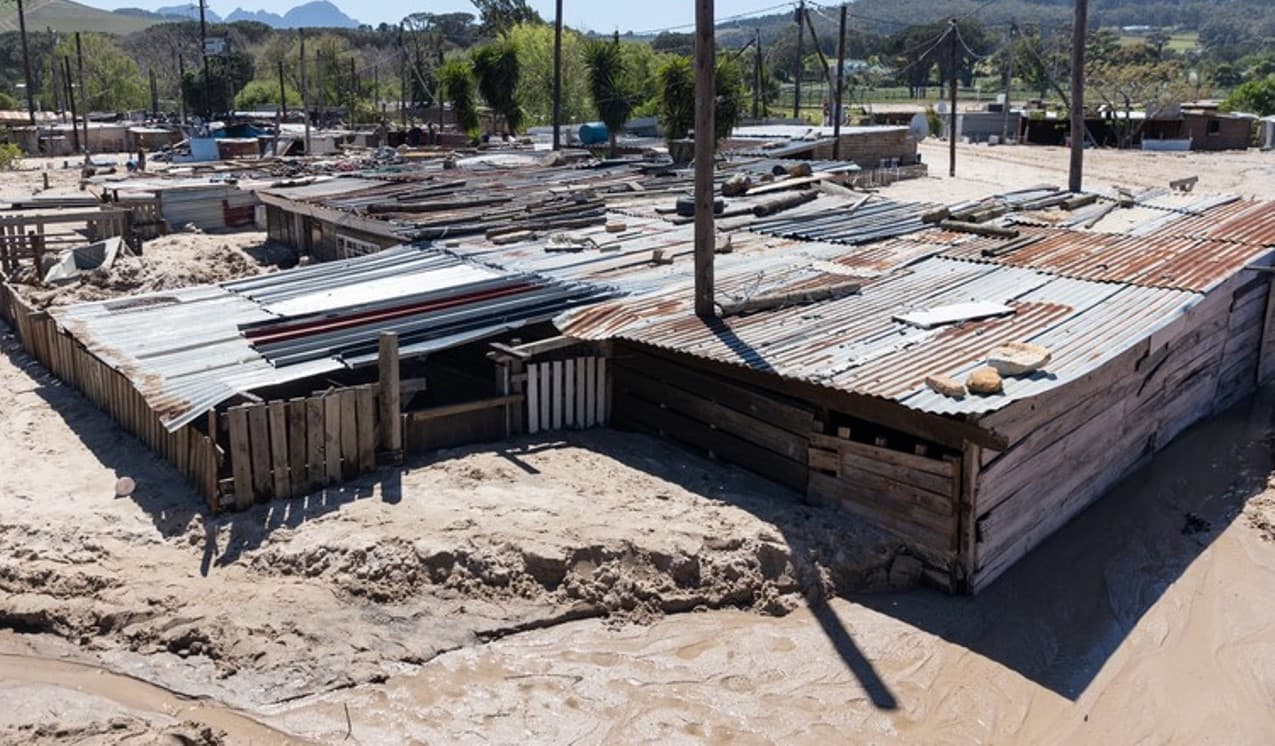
x: 1215, y: 127
x: 347, y: 247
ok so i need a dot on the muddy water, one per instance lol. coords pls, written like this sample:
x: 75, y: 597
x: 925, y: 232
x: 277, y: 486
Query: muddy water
x: 1147, y: 619
x: 92, y: 688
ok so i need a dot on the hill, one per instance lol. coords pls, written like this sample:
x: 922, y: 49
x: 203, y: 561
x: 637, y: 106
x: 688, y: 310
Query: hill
x: 66, y: 16
x: 188, y: 12
x: 317, y: 14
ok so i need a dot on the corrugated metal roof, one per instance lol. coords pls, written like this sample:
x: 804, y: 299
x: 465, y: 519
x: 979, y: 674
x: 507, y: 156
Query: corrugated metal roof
x: 186, y: 351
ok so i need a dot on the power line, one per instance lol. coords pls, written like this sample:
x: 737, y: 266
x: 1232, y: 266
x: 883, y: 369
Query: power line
x: 726, y: 19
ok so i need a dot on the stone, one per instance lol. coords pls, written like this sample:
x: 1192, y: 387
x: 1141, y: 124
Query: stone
x: 124, y: 486
x: 905, y: 571
x: 984, y: 381
x: 946, y: 385
x: 799, y: 170
x: 616, y: 227
x: 736, y: 185
x: 1018, y: 358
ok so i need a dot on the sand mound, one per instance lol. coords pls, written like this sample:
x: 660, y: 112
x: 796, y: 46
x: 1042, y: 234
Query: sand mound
x: 173, y: 261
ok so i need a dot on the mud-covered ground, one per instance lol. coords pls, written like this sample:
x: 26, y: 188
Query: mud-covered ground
x: 354, y: 585
x: 610, y: 587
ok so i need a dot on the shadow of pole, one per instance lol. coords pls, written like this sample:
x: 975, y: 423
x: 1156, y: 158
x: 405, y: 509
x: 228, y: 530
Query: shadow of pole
x: 859, y: 665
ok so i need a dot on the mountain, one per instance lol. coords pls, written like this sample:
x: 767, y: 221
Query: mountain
x: 66, y: 16
x: 188, y: 13
x: 317, y: 14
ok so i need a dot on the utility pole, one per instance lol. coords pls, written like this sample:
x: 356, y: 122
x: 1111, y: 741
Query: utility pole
x: 557, y: 75
x: 354, y: 91
x: 438, y: 90
x: 150, y: 72
x: 70, y: 97
x: 203, y: 51
x: 402, y: 78
x: 377, y: 105
x: 796, y: 78
x: 757, y: 73
x: 84, y: 92
x: 1009, y: 83
x: 305, y: 93
x: 1074, y: 177
x: 320, y: 79
x: 26, y: 64
x: 841, y: 72
x: 951, y: 126
x: 705, y: 236
x: 181, y: 82
x: 283, y: 93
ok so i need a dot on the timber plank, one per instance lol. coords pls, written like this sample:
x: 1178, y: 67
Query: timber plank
x: 787, y: 414
x: 714, y: 415
x: 928, y: 540
x: 349, y: 433
x: 938, y: 484
x: 240, y: 456
x: 557, y: 394
x: 279, y: 469
x: 889, y: 490
x: 632, y: 412
x: 298, y: 478
x: 315, y: 442
x: 533, y: 398
x: 888, y: 455
x: 259, y: 433
x: 365, y: 404
x: 331, y: 439
x: 569, y: 393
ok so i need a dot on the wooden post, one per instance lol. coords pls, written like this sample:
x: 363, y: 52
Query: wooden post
x: 705, y: 237
x: 283, y: 94
x: 203, y: 51
x: 70, y: 99
x: 841, y: 72
x: 26, y: 66
x: 391, y: 416
x: 181, y: 77
x: 951, y: 126
x: 84, y: 92
x: 1009, y: 83
x: 305, y: 94
x: 557, y: 75
x: 757, y: 73
x: 1074, y: 176
x: 796, y: 78
x: 37, y: 251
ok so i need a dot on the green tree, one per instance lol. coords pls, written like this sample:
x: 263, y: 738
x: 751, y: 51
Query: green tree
x: 677, y: 97
x: 498, y: 16
x: 496, y: 67
x: 111, y: 77
x: 610, y: 86
x: 1255, y: 97
x: 534, y: 43
x: 226, y: 76
x: 263, y: 92
x: 9, y: 103
x: 728, y: 101
x: 457, y: 79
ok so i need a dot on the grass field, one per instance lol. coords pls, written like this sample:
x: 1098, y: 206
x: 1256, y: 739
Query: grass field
x: 1183, y: 42
x: 65, y: 16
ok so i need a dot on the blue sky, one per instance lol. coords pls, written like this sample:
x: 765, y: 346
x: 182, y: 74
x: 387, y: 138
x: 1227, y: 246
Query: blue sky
x: 596, y: 15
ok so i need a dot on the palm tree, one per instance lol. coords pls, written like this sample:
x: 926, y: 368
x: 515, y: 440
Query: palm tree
x: 610, y: 85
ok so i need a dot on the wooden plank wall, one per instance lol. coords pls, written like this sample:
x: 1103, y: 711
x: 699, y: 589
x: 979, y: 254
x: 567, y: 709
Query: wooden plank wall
x: 912, y: 496
x: 193, y: 453
x: 291, y: 448
x: 1070, y: 447
x: 567, y: 394
x: 761, y: 431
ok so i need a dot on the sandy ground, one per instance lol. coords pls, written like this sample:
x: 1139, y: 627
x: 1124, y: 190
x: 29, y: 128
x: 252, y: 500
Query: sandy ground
x: 610, y: 587
x: 982, y: 170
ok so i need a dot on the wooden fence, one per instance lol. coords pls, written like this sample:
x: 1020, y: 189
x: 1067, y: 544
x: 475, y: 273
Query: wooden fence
x: 291, y: 448
x: 25, y: 237
x: 571, y: 393
x: 194, y: 453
